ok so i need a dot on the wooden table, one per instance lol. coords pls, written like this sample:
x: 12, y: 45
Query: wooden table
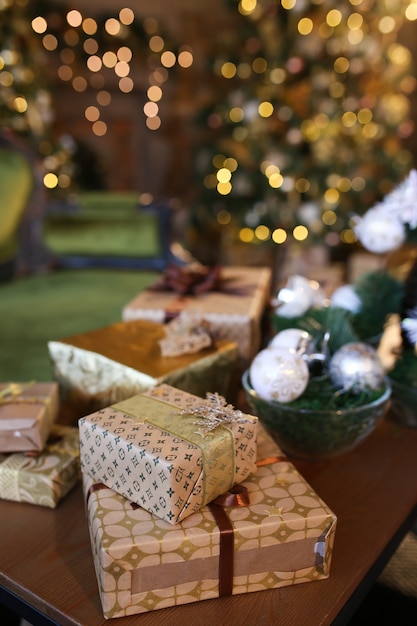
x: 47, y: 566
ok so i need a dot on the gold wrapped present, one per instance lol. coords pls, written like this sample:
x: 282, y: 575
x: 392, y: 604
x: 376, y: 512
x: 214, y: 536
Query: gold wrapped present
x: 27, y: 412
x: 281, y: 534
x: 106, y: 365
x: 169, y: 451
x: 232, y: 300
x: 43, y: 478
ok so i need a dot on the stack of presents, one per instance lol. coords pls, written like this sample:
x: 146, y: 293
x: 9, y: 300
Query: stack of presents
x: 187, y: 498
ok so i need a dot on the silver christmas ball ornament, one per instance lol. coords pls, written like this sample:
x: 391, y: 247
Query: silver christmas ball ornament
x: 356, y: 365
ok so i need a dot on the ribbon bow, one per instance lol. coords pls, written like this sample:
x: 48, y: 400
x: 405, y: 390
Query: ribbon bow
x: 189, y: 280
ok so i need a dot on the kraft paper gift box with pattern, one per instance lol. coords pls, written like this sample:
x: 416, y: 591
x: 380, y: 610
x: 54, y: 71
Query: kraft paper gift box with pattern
x: 99, y: 367
x: 27, y: 413
x: 169, y: 451
x: 233, y: 305
x: 283, y: 536
x: 46, y: 477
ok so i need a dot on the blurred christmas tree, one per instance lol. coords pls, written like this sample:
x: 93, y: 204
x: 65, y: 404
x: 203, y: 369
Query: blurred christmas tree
x: 310, y: 114
x: 44, y: 46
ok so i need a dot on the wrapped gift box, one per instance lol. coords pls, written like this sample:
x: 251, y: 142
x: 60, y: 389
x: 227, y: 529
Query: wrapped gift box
x: 158, y: 450
x: 234, y: 309
x: 284, y: 536
x: 43, y: 478
x: 106, y: 365
x: 27, y: 412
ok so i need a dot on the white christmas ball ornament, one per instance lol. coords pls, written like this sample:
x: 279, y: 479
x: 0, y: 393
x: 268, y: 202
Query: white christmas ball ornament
x: 292, y: 339
x: 378, y: 231
x: 345, y: 297
x: 358, y: 365
x: 279, y: 374
x: 295, y: 298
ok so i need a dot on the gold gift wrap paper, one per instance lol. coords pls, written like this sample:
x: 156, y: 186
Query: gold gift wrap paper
x: 284, y: 536
x: 148, y: 451
x: 27, y: 412
x: 44, y: 478
x: 109, y: 364
x: 234, y: 313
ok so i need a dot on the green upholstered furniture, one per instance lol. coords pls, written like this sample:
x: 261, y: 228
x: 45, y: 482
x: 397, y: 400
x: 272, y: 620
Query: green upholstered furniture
x: 36, y: 309
x: 108, y: 229
x: 71, y: 267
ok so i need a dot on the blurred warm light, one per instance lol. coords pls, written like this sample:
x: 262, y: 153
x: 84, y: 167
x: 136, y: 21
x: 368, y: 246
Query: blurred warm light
x: 305, y: 26
x: 329, y: 218
x: 151, y: 109
x: 126, y: 16
x: 154, y: 93
x: 20, y: 104
x: 228, y: 70
x: 153, y: 123
x: 224, y: 188
x: 279, y: 235
x: 89, y: 26
x: 112, y: 26
x: 74, y: 18
x: 79, y: 84
x: 39, y: 25
x: 246, y: 235
x: 92, y: 114
x: 265, y: 109
x: 50, y: 180
x: 156, y: 43
x: 99, y: 128
x: 50, y: 42
x: 94, y: 63
x: 300, y: 233
x: 65, y: 73
x: 103, y: 98
x: 122, y: 69
x: 109, y: 58
x: 224, y: 175
x: 168, y: 58
x: 125, y: 54
x: 90, y: 46
x: 185, y: 58
x: 126, y: 84
x: 333, y: 18
x: 262, y: 232
x: 224, y: 218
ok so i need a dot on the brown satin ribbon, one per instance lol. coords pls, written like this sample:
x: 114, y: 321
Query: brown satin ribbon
x: 189, y: 282
x: 236, y: 496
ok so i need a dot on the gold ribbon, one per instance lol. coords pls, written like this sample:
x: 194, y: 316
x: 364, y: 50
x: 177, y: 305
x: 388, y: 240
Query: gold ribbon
x: 11, y: 393
x: 217, y: 449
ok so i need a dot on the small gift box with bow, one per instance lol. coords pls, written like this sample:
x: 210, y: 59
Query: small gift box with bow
x: 169, y: 451
x: 271, y: 531
x: 43, y: 478
x: 231, y: 300
x: 27, y: 412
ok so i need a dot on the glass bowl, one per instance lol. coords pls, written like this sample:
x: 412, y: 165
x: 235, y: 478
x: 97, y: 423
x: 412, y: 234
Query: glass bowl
x: 404, y: 403
x: 313, y: 434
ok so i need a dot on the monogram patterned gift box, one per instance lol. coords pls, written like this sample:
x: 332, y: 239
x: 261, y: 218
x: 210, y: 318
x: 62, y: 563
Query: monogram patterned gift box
x: 46, y: 477
x: 280, y: 534
x: 27, y: 412
x: 169, y: 451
